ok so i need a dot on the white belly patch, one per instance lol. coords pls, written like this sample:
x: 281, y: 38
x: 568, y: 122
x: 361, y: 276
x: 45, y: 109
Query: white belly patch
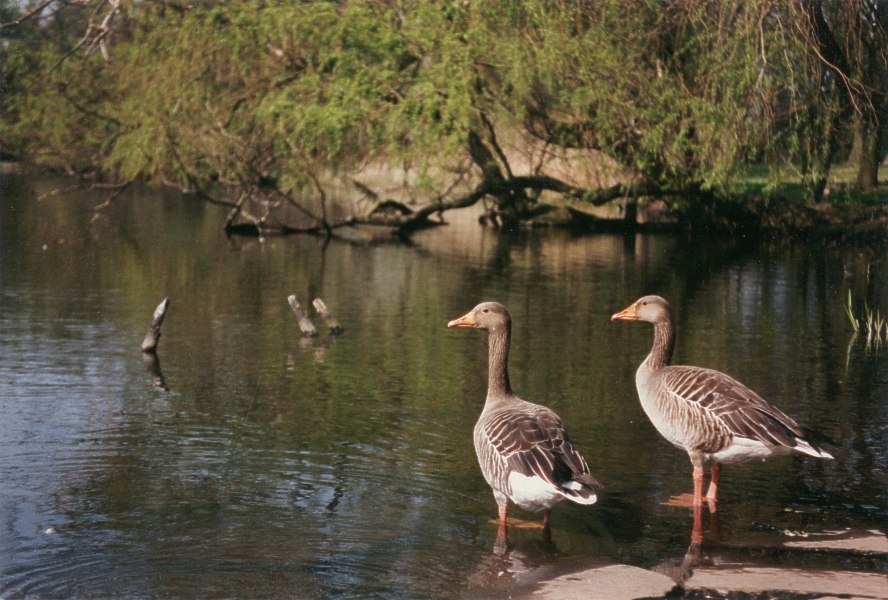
x: 744, y: 450
x: 532, y: 493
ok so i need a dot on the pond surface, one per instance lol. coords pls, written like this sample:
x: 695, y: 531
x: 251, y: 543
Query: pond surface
x: 253, y: 463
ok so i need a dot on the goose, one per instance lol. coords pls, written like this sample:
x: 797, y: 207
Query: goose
x: 524, y: 451
x: 706, y: 413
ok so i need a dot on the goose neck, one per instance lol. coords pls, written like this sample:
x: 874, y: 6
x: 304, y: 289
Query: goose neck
x: 498, y: 365
x: 664, y: 342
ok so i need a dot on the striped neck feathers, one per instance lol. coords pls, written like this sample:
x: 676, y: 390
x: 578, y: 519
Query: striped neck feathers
x: 664, y: 343
x: 498, y: 363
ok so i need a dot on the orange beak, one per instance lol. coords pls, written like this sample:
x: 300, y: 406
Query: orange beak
x: 467, y: 321
x: 627, y: 314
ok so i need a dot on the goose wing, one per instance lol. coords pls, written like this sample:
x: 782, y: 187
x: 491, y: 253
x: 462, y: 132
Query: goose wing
x: 533, y: 441
x: 735, y: 407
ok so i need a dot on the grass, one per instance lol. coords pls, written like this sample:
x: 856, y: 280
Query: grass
x: 872, y: 323
x: 785, y: 208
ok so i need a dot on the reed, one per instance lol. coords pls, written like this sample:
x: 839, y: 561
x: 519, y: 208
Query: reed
x: 872, y: 324
x: 849, y: 309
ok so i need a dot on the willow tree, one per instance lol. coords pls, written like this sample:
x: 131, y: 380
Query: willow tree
x: 269, y: 107
x: 850, y: 39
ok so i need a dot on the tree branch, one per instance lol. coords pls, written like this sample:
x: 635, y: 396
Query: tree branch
x: 829, y: 50
x: 21, y: 20
x: 120, y: 188
x: 409, y: 223
x: 496, y: 147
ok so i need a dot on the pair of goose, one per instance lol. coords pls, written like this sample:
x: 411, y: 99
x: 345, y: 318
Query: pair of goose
x: 527, y: 457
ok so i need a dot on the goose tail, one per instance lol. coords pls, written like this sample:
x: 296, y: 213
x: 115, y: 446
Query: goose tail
x: 581, y: 489
x: 806, y: 447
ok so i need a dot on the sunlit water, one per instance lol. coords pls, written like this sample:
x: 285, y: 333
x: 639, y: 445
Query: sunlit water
x: 253, y: 463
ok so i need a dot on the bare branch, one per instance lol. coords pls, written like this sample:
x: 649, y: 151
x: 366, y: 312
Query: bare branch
x: 90, y: 186
x: 121, y: 187
x: 58, y: 191
x: 323, y: 194
x: 331, y: 321
x: 149, y: 344
x: 21, y: 20
x: 405, y: 223
x: 305, y: 324
x: 95, y: 35
x: 496, y: 147
x: 236, y: 210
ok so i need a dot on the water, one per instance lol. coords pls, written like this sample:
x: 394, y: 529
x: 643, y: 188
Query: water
x: 256, y: 464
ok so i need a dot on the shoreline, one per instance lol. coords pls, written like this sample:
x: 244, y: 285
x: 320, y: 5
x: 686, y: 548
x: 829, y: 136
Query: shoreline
x: 745, y: 215
x: 716, y: 571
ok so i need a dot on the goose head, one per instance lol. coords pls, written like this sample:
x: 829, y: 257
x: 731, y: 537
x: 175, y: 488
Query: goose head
x: 490, y: 316
x: 652, y: 309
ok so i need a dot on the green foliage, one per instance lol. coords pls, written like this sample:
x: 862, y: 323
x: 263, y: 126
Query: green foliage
x: 258, y: 95
x: 247, y: 93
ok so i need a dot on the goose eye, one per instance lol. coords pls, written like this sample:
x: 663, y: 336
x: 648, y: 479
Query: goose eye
x: 486, y: 310
x: 644, y: 303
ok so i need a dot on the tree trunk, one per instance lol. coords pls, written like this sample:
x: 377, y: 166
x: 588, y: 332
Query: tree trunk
x: 513, y: 204
x: 868, y: 139
x: 817, y: 188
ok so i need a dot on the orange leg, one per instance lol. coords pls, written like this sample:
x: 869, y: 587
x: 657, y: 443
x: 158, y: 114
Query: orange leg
x: 503, y: 517
x: 697, y: 531
x: 698, y: 486
x: 712, y: 494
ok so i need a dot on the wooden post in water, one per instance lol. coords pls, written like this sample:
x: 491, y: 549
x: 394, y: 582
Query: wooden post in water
x: 332, y: 323
x: 149, y: 344
x: 308, y: 330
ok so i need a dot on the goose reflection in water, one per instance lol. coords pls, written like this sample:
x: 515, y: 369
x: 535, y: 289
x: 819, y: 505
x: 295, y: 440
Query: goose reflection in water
x: 511, y: 564
x: 682, y: 568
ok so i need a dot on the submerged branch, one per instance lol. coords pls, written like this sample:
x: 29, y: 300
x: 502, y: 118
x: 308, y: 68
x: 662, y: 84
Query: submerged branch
x: 305, y: 324
x: 235, y: 211
x: 149, y: 344
x: 331, y: 321
x: 119, y: 189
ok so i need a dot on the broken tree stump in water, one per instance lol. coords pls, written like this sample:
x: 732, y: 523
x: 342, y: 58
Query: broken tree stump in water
x: 332, y: 323
x: 149, y: 344
x: 308, y: 330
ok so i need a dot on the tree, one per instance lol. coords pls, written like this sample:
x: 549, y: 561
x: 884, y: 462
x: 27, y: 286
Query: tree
x: 269, y: 107
x: 851, y: 40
